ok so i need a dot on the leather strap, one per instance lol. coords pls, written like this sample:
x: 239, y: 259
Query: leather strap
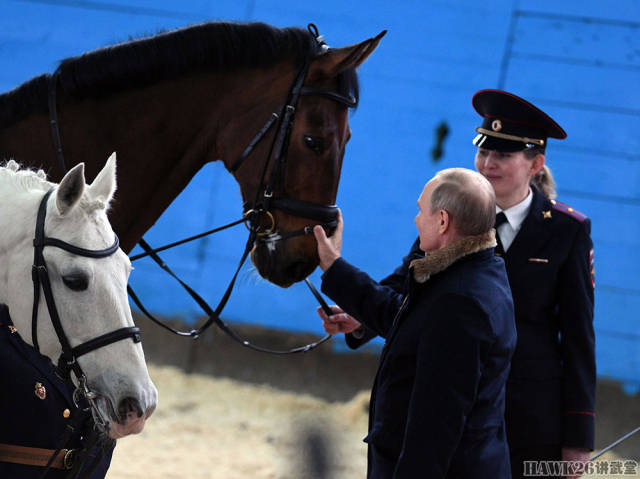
x: 53, y: 120
x: 35, y: 456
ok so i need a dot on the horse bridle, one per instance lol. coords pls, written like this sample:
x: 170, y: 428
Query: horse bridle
x: 68, y: 360
x: 261, y: 206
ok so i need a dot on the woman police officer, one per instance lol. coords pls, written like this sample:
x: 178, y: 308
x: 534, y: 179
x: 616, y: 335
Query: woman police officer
x: 548, y: 255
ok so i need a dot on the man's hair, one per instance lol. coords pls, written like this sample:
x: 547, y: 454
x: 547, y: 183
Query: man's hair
x: 469, y: 199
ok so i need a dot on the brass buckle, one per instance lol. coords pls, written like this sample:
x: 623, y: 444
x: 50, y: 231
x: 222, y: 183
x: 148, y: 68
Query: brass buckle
x: 69, y: 458
x: 266, y: 232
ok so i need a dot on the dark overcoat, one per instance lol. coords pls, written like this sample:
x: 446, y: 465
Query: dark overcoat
x: 35, y: 418
x: 551, y: 388
x: 437, y: 406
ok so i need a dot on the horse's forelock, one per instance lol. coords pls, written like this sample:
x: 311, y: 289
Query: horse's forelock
x: 89, y: 205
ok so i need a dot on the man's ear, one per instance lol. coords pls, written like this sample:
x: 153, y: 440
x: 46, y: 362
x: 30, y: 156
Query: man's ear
x: 444, y: 221
x: 337, y: 60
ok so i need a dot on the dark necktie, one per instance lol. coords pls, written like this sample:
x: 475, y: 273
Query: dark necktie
x: 500, y: 219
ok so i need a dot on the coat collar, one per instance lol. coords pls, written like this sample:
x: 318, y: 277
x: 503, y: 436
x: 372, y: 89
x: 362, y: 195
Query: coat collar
x: 432, y: 263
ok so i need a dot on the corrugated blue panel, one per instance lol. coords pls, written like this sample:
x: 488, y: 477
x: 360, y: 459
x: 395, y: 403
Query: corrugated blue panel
x: 578, y: 39
x: 591, y: 173
x: 583, y: 71
x: 621, y: 11
x: 43, y: 33
x: 595, y: 90
x: 618, y: 357
x: 616, y: 310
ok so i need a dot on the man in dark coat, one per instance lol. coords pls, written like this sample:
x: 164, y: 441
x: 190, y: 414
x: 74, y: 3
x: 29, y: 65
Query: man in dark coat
x: 37, y: 407
x: 437, y: 406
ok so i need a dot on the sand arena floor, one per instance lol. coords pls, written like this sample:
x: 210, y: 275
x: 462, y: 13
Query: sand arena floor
x: 209, y: 428
x: 220, y: 428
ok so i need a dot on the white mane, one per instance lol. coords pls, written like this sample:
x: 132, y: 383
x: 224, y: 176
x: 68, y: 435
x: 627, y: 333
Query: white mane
x: 24, y: 178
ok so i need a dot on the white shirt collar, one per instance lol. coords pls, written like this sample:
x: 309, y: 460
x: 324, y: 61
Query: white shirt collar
x: 518, y: 212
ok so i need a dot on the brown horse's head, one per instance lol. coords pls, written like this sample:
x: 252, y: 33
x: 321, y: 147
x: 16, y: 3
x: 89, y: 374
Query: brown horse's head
x: 305, y: 180
x: 184, y: 98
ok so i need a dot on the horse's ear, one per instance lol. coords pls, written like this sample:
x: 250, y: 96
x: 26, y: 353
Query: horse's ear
x: 70, y: 189
x: 337, y: 60
x: 104, y: 185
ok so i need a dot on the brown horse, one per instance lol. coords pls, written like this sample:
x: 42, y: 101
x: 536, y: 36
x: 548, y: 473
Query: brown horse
x: 170, y: 103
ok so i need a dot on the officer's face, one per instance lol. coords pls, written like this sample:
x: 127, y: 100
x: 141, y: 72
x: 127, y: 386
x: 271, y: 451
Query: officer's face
x: 427, y: 222
x: 508, y: 172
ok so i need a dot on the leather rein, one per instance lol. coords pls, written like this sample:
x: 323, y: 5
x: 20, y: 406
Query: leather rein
x: 254, y: 212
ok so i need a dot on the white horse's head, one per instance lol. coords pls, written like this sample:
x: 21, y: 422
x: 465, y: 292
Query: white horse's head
x: 90, y: 294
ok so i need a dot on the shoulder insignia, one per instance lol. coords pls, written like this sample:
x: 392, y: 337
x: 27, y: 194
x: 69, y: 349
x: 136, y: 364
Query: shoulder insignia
x: 568, y: 210
x: 592, y: 269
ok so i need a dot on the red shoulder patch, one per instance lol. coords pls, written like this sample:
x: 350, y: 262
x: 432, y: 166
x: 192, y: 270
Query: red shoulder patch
x: 592, y: 269
x: 568, y: 210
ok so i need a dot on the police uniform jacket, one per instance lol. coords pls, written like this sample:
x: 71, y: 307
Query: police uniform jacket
x: 437, y: 405
x: 30, y: 417
x: 551, y: 388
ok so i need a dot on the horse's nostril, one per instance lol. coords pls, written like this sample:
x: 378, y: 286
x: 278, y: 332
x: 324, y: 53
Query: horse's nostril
x: 128, y: 406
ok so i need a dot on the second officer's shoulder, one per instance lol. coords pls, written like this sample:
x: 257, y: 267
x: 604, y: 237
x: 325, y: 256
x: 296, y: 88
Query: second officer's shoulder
x: 568, y: 211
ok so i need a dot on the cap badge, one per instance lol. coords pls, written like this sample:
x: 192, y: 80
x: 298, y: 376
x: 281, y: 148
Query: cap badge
x: 546, y: 214
x: 40, y: 391
x: 496, y: 125
x: 13, y: 329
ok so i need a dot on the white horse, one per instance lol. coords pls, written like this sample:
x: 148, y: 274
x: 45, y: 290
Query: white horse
x: 90, y: 293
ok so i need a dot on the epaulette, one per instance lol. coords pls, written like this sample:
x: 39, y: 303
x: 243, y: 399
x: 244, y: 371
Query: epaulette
x: 568, y: 210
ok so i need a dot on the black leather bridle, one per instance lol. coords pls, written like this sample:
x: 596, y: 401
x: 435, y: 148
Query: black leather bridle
x: 261, y: 207
x: 68, y: 360
x: 265, y: 202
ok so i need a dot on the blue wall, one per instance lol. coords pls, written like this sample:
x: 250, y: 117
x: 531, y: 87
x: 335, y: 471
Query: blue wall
x: 578, y: 60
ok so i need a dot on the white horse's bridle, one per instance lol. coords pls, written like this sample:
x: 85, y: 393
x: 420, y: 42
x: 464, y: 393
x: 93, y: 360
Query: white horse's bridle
x: 68, y: 359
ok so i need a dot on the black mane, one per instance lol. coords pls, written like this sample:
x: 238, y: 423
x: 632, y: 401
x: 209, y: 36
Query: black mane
x: 204, y: 47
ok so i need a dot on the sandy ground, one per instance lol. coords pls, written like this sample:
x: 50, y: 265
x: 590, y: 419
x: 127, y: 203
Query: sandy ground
x: 218, y: 428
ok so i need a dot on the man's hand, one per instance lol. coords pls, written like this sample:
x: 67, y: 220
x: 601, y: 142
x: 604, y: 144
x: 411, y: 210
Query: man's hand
x: 329, y: 248
x: 338, y: 322
x: 575, y: 454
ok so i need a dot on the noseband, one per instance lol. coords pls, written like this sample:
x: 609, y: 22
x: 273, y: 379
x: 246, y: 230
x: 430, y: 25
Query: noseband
x: 68, y: 359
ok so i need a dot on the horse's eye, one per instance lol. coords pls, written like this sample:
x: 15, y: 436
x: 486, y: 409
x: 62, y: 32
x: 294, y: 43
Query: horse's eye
x: 314, y: 143
x: 76, y: 282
